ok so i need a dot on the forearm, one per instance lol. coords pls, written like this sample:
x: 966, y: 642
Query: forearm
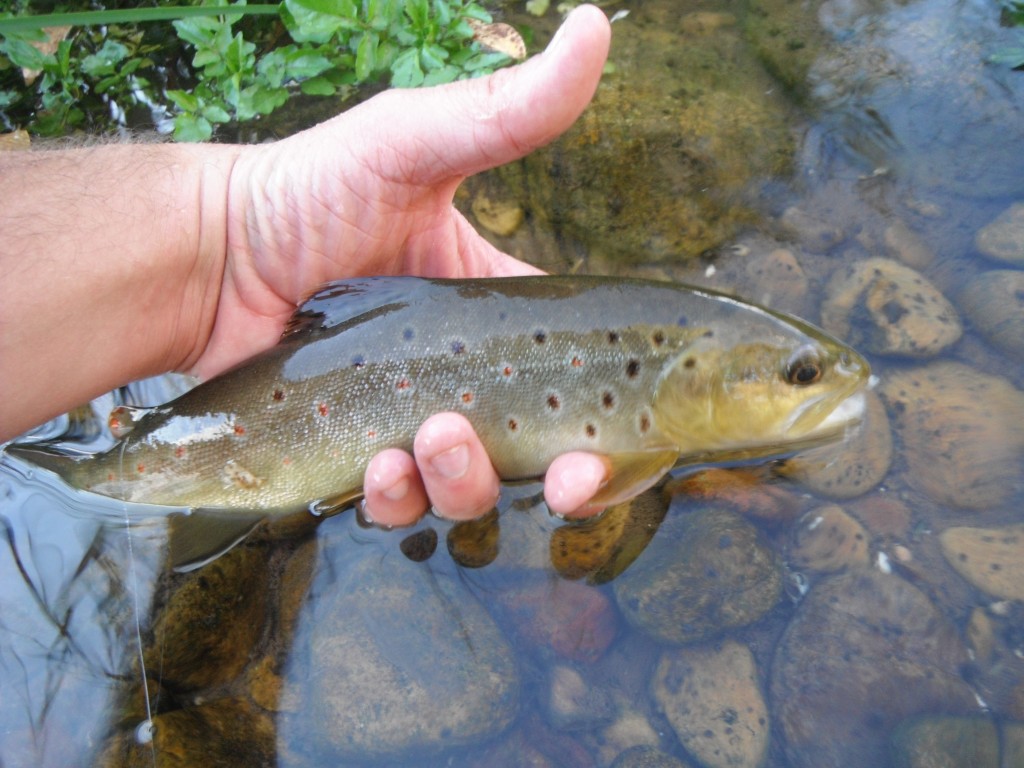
x: 110, y: 268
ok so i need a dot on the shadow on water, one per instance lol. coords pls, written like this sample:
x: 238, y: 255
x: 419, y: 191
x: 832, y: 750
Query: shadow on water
x: 852, y: 609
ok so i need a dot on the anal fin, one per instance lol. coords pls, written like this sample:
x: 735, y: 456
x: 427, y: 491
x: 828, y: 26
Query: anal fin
x: 203, y: 535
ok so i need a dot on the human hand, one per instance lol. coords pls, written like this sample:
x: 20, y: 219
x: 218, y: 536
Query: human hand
x: 370, y: 192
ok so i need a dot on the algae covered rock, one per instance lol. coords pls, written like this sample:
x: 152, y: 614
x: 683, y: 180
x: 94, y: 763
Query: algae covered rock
x: 865, y: 651
x: 941, y: 742
x: 399, y: 660
x: 992, y: 559
x: 882, y: 306
x: 994, y: 304
x: 1003, y: 237
x: 962, y: 432
x: 657, y: 166
x: 706, y: 571
x: 712, y: 699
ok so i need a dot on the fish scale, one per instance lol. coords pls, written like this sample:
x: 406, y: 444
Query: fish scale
x: 643, y: 373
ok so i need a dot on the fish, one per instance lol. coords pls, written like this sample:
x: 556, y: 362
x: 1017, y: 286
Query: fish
x: 649, y: 375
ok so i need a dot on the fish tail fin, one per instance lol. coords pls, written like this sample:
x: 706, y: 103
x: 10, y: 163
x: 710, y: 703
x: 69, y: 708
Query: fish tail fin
x: 67, y: 466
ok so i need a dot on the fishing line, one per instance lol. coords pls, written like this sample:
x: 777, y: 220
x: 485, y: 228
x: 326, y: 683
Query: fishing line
x: 144, y: 731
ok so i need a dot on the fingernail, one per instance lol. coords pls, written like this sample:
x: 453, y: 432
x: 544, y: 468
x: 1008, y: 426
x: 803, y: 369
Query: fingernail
x: 397, y: 491
x: 453, y: 463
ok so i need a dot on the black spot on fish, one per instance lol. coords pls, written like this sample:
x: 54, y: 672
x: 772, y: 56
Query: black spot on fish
x: 553, y: 402
x: 458, y: 347
x: 608, y: 400
x: 278, y: 395
x: 613, y: 337
x: 708, y: 333
x: 645, y: 423
x: 513, y: 425
x: 358, y: 361
x: 689, y: 362
x: 658, y: 337
x: 540, y: 337
x: 633, y: 368
x: 591, y: 430
x: 409, y: 334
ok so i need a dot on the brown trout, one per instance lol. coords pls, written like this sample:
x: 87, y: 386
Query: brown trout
x: 647, y: 374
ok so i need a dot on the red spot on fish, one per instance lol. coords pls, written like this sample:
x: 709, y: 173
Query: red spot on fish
x: 645, y: 422
x: 513, y: 424
x: 508, y: 370
x: 110, y: 477
x: 287, y: 461
x: 371, y: 433
x: 140, y: 468
x: 179, y: 451
x: 322, y: 409
x: 576, y: 362
x: 404, y: 384
x: 239, y: 429
x: 467, y: 397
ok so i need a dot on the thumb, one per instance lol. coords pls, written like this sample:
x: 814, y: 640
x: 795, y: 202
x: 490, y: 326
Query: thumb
x: 472, y: 125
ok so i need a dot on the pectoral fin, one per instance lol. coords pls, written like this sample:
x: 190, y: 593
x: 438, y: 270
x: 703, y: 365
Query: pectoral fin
x: 601, y: 548
x: 632, y: 473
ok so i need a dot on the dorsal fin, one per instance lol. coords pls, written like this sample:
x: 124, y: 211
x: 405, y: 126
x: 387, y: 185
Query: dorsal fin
x: 344, y: 301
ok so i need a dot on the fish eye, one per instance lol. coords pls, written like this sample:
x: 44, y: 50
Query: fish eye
x: 803, y: 368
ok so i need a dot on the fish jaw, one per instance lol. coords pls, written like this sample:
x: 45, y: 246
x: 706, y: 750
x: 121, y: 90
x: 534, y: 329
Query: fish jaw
x: 737, y: 402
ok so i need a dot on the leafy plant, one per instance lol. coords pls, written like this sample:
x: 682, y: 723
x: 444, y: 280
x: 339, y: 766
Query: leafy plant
x: 240, y: 67
x: 1012, y: 15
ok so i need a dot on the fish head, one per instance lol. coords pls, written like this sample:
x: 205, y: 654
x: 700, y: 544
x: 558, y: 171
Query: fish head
x: 753, y: 397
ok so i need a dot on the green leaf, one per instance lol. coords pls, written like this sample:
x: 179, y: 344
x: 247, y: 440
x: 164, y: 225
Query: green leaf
x: 105, y: 60
x: 8, y: 97
x: 366, y: 55
x: 445, y: 74
x: 192, y: 128
x: 215, y: 113
x: 418, y: 11
x: 433, y: 56
x: 22, y: 54
x: 183, y: 100
x: 318, y: 86
x: 344, y: 8
x: 406, y: 72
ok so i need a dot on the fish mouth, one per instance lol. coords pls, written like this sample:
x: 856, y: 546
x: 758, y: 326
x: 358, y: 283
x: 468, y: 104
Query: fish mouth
x: 812, y: 420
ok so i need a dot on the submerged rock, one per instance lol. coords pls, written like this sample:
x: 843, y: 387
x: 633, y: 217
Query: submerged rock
x: 884, y: 307
x: 646, y: 757
x: 400, y: 660
x: 992, y: 559
x: 852, y: 467
x: 656, y: 168
x: 706, y: 571
x: 1003, y: 238
x: 934, y: 742
x: 828, y: 539
x: 865, y: 651
x: 994, y: 304
x: 713, y: 701
x: 962, y: 433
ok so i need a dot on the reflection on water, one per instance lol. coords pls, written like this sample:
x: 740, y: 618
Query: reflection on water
x: 859, y: 609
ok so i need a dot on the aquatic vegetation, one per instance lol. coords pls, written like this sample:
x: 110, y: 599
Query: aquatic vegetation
x: 224, y: 62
